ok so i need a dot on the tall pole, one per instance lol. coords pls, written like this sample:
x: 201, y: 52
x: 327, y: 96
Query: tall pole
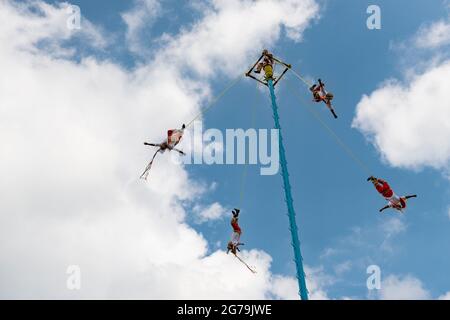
x: 303, y: 291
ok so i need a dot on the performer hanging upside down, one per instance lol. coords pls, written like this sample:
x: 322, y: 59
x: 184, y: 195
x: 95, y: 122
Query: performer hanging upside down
x: 319, y: 95
x: 173, y: 138
x: 394, y: 201
x: 234, y: 244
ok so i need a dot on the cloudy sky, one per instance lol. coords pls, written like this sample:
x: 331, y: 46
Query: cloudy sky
x: 76, y: 105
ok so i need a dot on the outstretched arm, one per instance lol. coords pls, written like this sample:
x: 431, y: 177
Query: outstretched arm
x: 179, y: 151
x: 385, y: 207
x: 151, y: 144
x: 411, y: 196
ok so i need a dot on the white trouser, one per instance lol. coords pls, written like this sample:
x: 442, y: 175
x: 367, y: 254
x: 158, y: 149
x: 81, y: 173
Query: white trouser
x: 235, y: 238
x: 394, y: 201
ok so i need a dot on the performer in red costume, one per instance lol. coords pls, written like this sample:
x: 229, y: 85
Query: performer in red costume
x: 394, y: 201
x: 234, y: 244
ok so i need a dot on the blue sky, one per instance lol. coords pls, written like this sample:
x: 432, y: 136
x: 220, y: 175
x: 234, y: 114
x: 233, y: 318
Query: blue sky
x: 331, y: 194
x: 330, y: 191
x: 341, y: 231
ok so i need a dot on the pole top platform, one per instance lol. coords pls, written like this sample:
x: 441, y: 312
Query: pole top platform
x: 267, y: 62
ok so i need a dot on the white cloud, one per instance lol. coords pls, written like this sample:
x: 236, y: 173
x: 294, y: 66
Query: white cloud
x: 212, y: 212
x: 405, y: 287
x: 234, y: 30
x: 328, y: 252
x: 435, y: 35
x: 410, y: 123
x: 70, y: 159
x: 445, y: 296
x: 393, y: 226
x: 142, y: 15
x: 343, y: 267
x: 402, y: 288
x: 39, y: 21
x: 286, y: 288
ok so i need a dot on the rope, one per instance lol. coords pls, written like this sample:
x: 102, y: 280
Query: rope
x: 333, y: 134
x: 216, y: 99
x: 301, y: 78
x: 245, y: 263
x: 244, y: 174
x: 243, y: 180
